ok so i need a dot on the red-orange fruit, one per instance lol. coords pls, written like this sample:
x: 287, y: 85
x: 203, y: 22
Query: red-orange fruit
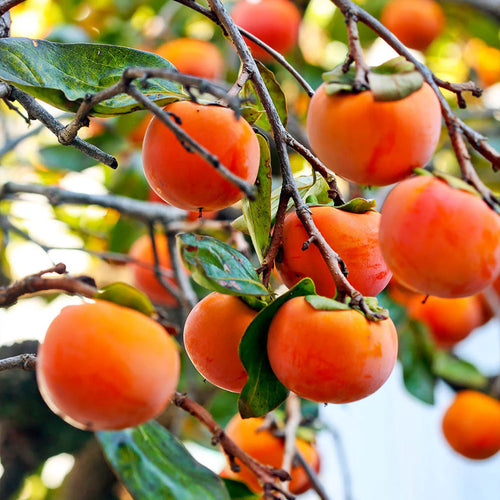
x: 353, y: 236
x: 471, y: 425
x: 275, y: 22
x: 330, y: 356
x: 212, y: 334
x: 185, y: 179
x: 449, y: 320
x: 374, y: 143
x: 439, y: 240
x: 417, y: 23
x: 103, y: 366
x: 145, y: 278
x: 268, y: 449
x: 196, y: 57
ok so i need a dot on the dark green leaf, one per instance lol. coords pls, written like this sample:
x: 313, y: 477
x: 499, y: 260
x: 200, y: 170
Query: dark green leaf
x: 127, y: 296
x: 358, y: 206
x: 263, y: 392
x: 62, y: 74
x: 255, y: 113
x: 257, y: 213
x: 416, y: 355
x: 239, y: 491
x: 123, y: 234
x: 153, y: 464
x: 394, y: 80
x: 338, y: 81
x: 457, y: 371
x: 217, y: 266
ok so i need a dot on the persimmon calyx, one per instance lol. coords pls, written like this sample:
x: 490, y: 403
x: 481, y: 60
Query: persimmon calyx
x: 327, y: 304
x: 451, y: 180
x: 391, y: 81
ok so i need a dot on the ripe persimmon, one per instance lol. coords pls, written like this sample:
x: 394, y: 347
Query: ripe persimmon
x: 330, y: 356
x: 439, y: 240
x: 103, y: 366
x: 268, y: 449
x: 372, y: 142
x: 144, y: 277
x: 353, y: 236
x: 449, y: 320
x: 212, y: 334
x: 471, y: 425
x: 417, y: 23
x: 185, y: 179
x: 196, y: 57
x: 275, y: 22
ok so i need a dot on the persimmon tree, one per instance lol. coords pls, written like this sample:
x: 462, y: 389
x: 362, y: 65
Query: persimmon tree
x: 85, y: 84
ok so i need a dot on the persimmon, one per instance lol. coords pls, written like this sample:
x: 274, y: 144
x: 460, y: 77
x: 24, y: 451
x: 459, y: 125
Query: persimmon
x: 471, y: 425
x: 185, y: 179
x: 137, y: 134
x: 275, y: 22
x: 439, y: 240
x: 144, y: 277
x: 212, y: 334
x: 417, y: 23
x: 449, y: 320
x: 103, y: 366
x: 268, y: 449
x: 330, y: 356
x: 196, y: 57
x: 353, y: 236
x: 372, y: 142
x: 192, y: 215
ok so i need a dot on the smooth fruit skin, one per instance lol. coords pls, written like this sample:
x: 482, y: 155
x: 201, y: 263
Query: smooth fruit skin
x: 145, y: 278
x: 471, y: 425
x: 415, y: 22
x: 106, y: 367
x: 374, y: 143
x: 186, y: 180
x: 353, y: 236
x: 195, y: 57
x: 269, y: 450
x: 330, y: 356
x: 212, y: 334
x: 449, y: 320
x: 439, y: 240
x: 275, y: 22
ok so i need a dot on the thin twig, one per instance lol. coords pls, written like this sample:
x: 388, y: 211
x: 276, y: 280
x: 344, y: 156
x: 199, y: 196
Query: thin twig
x: 355, y: 54
x: 294, y: 417
x: 313, y: 478
x: 6, y: 5
x: 22, y: 361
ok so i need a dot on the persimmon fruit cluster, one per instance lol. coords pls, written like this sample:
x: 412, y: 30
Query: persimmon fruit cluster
x: 471, y: 425
x: 275, y: 22
x: 212, y: 334
x: 186, y: 180
x: 330, y: 356
x: 372, y: 142
x: 249, y: 434
x: 103, y: 366
x: 353, y: 236
x: 439, y: 240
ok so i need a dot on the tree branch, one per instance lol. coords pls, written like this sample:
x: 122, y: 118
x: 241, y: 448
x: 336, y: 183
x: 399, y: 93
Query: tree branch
x: 6, y: 5
x: 23, y: 362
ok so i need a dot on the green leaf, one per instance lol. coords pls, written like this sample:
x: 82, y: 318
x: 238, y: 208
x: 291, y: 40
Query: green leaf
x: 308, y: 186
x: 123, y: 234
x: 257, y: 213
x: 263, y: 392
x: 358, y: 206
x: 326, y: 304
x: 457, y: 371
x: 153, y: 464
x: 127, y: 296
x: 338, y: 81
x: 239, y: 491
x: 394, y: 80
x: 256, y: 113
x: 62, y: 74
x: 217, y: 266
x: 416, y: 354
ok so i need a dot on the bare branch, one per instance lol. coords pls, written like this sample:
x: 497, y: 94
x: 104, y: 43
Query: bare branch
x: 294, y: 417
x: 6, y: 5
x: 23, y: 362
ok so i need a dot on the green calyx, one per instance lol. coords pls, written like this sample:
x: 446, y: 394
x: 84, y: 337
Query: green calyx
x: 391, y: 81
x: 326, y: 304
x: 451, y: 180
